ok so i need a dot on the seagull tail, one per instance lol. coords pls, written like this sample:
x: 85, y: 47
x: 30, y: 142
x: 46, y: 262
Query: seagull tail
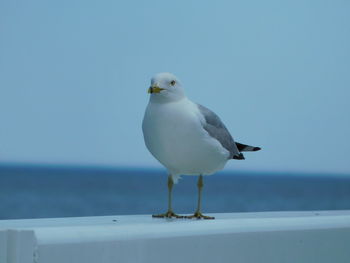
x: 239, y: 156
x: 246, y: 148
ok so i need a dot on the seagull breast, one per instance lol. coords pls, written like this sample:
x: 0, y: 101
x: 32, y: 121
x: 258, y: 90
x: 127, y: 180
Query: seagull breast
x: 174, y: 134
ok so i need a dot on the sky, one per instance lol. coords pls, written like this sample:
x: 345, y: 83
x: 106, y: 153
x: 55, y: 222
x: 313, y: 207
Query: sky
x: 74, y: 76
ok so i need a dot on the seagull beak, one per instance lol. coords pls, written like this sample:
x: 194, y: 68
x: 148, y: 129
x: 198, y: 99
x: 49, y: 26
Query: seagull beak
x: 154, y: 89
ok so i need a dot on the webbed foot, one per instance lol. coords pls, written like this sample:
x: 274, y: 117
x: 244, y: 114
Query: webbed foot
x: 168, y: 214
x: 199, y: 215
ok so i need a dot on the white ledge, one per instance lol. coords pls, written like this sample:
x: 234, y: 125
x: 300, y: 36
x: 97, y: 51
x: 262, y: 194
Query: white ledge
x: 237, y: 237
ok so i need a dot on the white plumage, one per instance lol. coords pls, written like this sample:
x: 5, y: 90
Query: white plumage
x: 187, y: 138
x: 175, y: 136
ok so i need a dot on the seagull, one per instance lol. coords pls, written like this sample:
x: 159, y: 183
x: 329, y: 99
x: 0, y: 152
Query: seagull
x: 185, y: 137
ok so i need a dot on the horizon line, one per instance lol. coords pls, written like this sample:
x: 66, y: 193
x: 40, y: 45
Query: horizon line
x: 74, y: 166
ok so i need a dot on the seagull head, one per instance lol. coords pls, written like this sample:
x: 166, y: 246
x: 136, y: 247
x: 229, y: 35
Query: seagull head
x: 165, y: 87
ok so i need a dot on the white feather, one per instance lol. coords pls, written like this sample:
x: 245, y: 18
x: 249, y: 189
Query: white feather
x: 174, y: 134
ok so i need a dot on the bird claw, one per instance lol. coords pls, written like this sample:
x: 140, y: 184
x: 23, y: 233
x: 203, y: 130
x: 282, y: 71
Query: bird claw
x: 199, y: 215
x: 168, y: 214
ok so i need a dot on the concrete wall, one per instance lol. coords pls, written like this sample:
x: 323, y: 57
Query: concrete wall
x: 280, y: 237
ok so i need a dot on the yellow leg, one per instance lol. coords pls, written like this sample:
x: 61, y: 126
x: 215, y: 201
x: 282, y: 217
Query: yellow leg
x: 170, y: 212
x: 198, y: 213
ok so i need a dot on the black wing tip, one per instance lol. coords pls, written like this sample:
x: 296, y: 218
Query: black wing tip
x: 256, y: 149
x: 238, y: 157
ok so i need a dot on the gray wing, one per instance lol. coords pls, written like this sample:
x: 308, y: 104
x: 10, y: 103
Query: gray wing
x: 215, y: 127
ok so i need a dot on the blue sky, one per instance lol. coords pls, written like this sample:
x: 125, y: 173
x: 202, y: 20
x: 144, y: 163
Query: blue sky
x: 74, y: 76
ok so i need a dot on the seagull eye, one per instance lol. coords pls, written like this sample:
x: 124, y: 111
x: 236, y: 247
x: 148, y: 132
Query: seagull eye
x: 172, y: 83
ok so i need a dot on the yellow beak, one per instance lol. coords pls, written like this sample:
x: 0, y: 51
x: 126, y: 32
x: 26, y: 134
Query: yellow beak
x: 154, y: 89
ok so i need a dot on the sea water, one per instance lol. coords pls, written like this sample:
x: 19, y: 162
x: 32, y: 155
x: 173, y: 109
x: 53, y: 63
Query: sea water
x: 48, y: 191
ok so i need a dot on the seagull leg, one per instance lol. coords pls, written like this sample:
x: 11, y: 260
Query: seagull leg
x: 170, y: 212
x: 198, y: 214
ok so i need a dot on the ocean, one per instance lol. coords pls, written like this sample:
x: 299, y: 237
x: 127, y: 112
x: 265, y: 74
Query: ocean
x: 49, y: 191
